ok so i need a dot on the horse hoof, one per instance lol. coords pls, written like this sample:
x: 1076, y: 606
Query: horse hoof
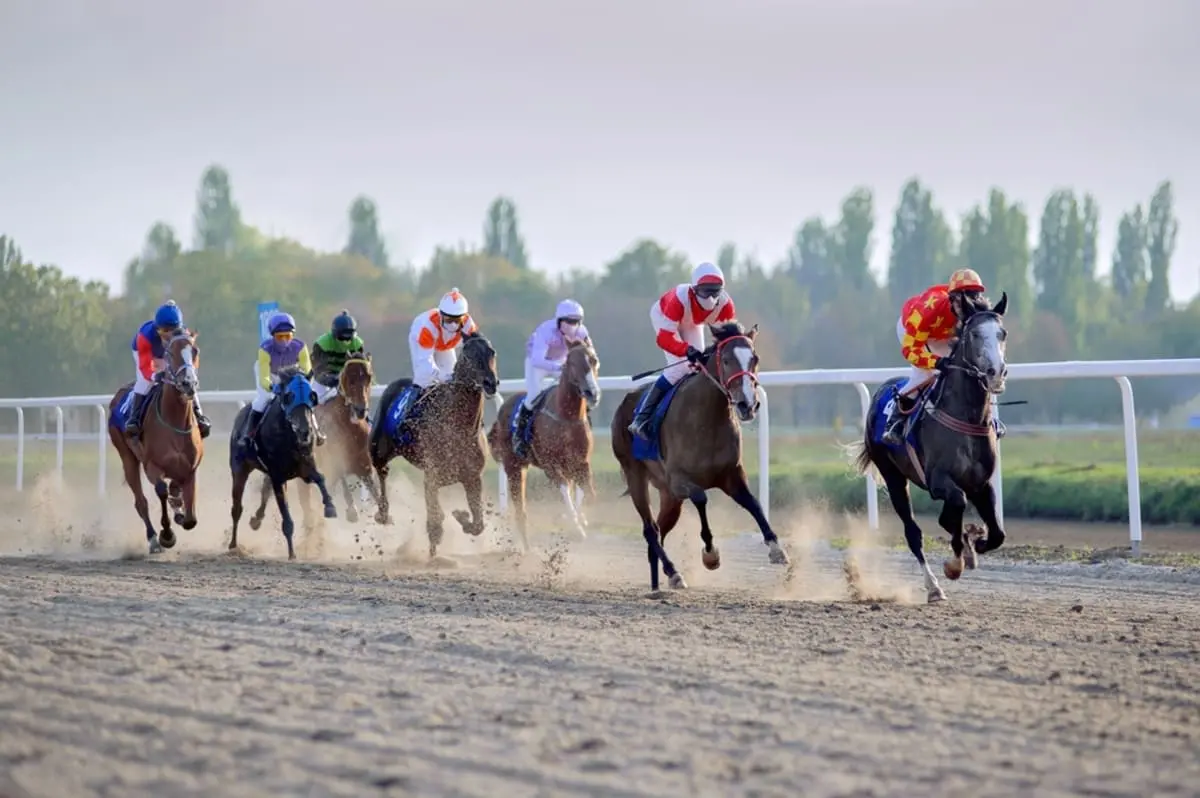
x: 382, y: 518
x: 711, y: 559
x: 952, y: 568
x: 330, y: 511
x: 255, y: 523
x: 351, y: 514
x: 778, y: 556
x: 155, y: 546
x: 937, y: 596
x: 167, y: 539
x: 677, y: 582
x: 188, y: 525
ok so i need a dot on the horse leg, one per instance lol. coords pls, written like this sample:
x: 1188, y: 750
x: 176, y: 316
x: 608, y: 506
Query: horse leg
x: 669, y: 510
x: 710, y: 555
x: 315, y: 476
x: 166, y: 535
x: 289, y: 528
x: 381, y: 498
x: 897, y: 488
x: 515, y: 474
x: 739, y: 491
x: 984, y: 499
x: 585, y: 488
x: 472, y: 524
x: 565, y: 487
x: 433, y: 515
x: 133, y: 477
x: 186, y: 518
x: 265, y: 493
x: 639, y: 492
x: 351, y: 506
x: 239, y: 487
x: 954, y: 504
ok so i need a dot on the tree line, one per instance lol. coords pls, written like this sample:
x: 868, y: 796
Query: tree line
x: 819, y: 306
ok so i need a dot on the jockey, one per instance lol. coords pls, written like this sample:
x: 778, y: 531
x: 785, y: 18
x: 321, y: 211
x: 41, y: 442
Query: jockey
x: 927, y: 328
x: 545, y: 354
x: 678, y: 318
x: 329, y: 353
x: 150, y: 357
x: 278, y: 352
x: 434, y: 335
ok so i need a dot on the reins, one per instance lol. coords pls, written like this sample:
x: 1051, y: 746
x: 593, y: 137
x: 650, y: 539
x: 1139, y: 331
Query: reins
x: 941, y: 416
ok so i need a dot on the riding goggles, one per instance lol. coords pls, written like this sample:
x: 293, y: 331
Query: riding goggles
x: 571, y: 321
x: 283, y: 337
x: 447, y: 319
x: 709, y: 290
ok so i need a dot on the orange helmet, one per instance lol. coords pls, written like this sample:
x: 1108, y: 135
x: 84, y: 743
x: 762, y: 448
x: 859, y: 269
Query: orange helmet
x: 965, y: 280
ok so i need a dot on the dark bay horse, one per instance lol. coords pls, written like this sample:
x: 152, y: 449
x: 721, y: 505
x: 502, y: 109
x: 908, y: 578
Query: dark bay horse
x: 446, y: 438
x: 955, y: 452
x: 170, y: 446
x: 561, y: 438
x: 282, y: 448
x: 344, y: 419
x: 699, y: 447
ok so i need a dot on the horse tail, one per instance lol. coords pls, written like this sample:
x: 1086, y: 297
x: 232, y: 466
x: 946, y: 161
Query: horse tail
x: 861, y: 453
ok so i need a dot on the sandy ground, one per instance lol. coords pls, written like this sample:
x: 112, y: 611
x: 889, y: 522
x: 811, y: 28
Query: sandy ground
x: 362, y: 670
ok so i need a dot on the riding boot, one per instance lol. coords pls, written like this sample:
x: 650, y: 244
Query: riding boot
x: 251, y: 427
x: 201, y: 420
x: 895, y: 422
x: 520, y: 447
x: 657, y: 391
x: 133, y: 426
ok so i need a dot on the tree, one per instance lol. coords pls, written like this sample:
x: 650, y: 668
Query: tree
x: 1058, y: 266
x: 502, y: 234
x: 365, y: 240
x: 1161, y: 230
x: 218, y: 219
x: 646, y: 269
x: 1130, y: 273
x: 922, y: 244
x: 811, y: 263
x: 852, y: 239
x: 995, y: 243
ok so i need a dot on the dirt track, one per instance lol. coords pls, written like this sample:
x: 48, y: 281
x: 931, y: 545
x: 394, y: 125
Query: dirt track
x: 210, y: 674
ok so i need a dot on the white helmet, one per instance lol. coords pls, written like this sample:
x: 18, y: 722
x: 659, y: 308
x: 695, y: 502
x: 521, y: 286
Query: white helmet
x: 708, y: 283
x: 453, y: 304
x: 569, y: 309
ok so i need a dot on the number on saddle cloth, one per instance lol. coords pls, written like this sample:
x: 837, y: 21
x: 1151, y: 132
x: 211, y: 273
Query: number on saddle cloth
x: 649, y: 449
x: 120, y: 414
x: 404, y: 409
x: 538, y: 401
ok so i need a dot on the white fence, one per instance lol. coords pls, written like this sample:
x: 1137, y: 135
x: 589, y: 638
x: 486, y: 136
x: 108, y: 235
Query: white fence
x: 1120, y: 370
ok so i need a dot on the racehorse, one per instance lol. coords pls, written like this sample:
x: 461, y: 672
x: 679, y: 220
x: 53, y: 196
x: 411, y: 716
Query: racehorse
x: 561, y: 438
x: 282, y: 448
x: 950, y: 448
x: 695, y: 447
x: 344, y: 418
x: 169, y: 448
x: 443, y: 436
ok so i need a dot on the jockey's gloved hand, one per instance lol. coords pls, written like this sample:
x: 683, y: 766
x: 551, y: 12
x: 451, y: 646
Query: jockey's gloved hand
x: 694, y: 355
x: 942, y: 364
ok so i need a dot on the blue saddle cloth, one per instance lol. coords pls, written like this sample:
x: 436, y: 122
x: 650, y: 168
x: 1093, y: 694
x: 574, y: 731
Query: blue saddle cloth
x: 538, y: 401
x: 644, y: 449
x: 878, y: 420
x: 120, y: 414
x: 397, y: 418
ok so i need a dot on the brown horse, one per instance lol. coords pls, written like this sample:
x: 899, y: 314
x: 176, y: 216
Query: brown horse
x: 561, y: 438
x: 700, y: 447
x: 446, y: 438
x: 344, y: 419
x: 169, y: 448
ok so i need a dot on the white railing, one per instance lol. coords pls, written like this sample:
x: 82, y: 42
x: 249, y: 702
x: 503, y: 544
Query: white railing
x: 1120, y: 370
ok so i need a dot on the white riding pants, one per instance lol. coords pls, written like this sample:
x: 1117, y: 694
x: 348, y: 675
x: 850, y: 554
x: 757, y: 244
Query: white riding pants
x: 918, y: 377
x: 324, y: 392
x: 534, y: 377
x: 262, y: 398
x: 141, y: 385
x: 694, y: 336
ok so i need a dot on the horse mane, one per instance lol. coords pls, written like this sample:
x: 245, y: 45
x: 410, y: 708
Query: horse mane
x: 727, y: 329
x: 288, y: 372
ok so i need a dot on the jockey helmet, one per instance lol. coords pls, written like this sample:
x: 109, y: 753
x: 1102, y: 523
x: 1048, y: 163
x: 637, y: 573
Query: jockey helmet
x: 344, y: 326
x: 168, y: 317
x: 708, y: 283
x: 569, y: 311
x: 453, y: 309
x: 281, y: 323
x: 966, y: 280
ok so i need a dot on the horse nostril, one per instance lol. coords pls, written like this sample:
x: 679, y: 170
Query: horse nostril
x: 991, y: 372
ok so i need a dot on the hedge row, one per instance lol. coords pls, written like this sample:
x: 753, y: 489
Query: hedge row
x: 1075, y: 493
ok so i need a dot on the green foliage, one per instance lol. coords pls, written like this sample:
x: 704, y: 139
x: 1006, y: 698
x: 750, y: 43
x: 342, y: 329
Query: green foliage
x: 365, y: 240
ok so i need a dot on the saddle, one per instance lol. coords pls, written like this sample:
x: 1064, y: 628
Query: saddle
x: 539, y: 402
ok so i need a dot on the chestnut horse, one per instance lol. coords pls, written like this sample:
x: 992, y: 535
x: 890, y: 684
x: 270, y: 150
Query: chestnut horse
x: 561, y: 438
x: 169, y: 448
x: 344, y: 419
x: 699, y: 448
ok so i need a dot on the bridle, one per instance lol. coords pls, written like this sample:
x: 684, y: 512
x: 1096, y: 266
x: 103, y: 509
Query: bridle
x: 720, y: 379
x: 354, y: 409
x: 952, y: 364
x: 171, y: 375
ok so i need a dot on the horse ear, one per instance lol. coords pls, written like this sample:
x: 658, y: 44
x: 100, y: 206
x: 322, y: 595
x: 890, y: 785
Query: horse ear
x: 753, y: 331
x: 1002, y: 305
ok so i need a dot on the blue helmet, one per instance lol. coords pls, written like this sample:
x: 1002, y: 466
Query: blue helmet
x: 169, y: 316
x: 281, y: 322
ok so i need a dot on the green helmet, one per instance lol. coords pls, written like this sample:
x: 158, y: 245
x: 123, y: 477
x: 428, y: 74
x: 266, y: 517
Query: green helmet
x: 344, y: 326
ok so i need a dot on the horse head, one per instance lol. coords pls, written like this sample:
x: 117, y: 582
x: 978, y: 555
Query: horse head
x: 581, y: 370
x: 980, y: 350
x: 183, y: 362
x: 354, y: 385
x: 297, y: 399
x: 477, y: 366
x: 735, y: 363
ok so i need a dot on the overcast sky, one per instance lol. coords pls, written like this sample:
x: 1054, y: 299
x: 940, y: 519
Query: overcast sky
x: 694, y: 121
